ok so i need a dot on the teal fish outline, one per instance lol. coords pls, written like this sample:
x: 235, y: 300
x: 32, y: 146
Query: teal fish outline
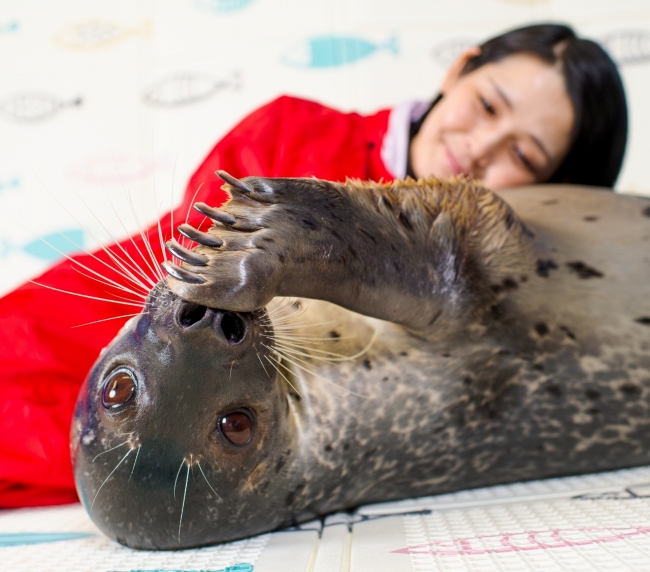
x: 24, y: 538
x: 241, y: 567
x: 223, y: 6
x: 334, y: 51
x: 49, y: 247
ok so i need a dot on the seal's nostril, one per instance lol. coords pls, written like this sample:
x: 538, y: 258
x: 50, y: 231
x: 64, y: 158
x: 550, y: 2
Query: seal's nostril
x: 233, y: 327
x: 190, y: 314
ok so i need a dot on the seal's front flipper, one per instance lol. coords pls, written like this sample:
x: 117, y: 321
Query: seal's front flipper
x: 424, y: 254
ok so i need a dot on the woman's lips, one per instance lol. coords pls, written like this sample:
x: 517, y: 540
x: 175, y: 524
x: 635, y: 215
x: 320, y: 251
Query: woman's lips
x: 452, y: 163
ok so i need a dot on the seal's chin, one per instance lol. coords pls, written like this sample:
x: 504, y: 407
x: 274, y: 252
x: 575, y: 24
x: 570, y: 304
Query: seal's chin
x: 175, y: 424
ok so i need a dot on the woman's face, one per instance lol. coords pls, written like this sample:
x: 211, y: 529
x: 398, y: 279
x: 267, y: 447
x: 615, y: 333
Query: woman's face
x: 508, y: 123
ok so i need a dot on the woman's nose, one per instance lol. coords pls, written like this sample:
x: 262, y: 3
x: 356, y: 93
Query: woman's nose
x: 484, y: 146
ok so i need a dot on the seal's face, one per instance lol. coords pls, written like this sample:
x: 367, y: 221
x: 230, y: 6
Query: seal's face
x: 176, y: 427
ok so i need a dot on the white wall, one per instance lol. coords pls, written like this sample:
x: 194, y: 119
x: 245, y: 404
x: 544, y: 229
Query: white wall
x: 96, y: 96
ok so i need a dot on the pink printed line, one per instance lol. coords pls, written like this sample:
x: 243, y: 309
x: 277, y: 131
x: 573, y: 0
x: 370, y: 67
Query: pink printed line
x: 520, y: 541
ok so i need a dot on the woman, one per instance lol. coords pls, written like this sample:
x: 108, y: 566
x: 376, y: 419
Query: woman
x: 533, y: 105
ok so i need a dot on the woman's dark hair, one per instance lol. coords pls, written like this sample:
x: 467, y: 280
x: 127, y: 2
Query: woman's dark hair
x: 594, y: 87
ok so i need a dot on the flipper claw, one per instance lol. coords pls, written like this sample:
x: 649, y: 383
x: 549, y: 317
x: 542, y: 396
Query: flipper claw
x: 215, y: 214
x: 236, y: 183
x: 186, y: 255
x: 182, y: 274
x: 203, y: 238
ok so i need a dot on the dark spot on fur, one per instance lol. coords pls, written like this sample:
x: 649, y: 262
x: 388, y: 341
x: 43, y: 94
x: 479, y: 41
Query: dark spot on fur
x: 467, y: 380
x: 646, y: 211
x: 384, y: 378
x: 267, y: 239
x: 496, y: 288
x: 545, y: 266
x: 593, y: 411
x: 645, y: 320
x: 295, y: 396
x: 592, y: 394
x: 523, y: 278
x: 509, y: 284
x: 368, y: 235
x: 290, y: 498
x: 591, y: 218
x: 583, y: 271
x: 403, y: 353
x: 328, y: 448
x: 366, y: 363
x: 281, y: 462
x: 554, y: 389
x: 497, y: 312
x: 310, y: 224
x: 541, y: 328
x: 369, y: 453
x: 352, y: 251
x: 568, y: 332
x: 405, y: 221
x: 550, y: 202
x: 630, y: 389
x: 446, y: 354
x: 538, y: 366
x: 346, y: 446
x: 281, y: 258
x: 334, y: 334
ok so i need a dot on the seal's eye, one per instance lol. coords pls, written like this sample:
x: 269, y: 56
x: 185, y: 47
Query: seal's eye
x: 237, y: 427
x: 118, y: 389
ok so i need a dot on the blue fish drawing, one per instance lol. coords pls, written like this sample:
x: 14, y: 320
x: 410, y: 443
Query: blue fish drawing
x: 332, y: 51
x: 50, y: 247
x: 9, y: 27
x: 9, y: 184
x: 223, y: 5
x: 21, y: 538
x: 236, y: 568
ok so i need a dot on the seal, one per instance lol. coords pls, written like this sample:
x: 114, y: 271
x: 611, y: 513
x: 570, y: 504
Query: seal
x: 429, y: 340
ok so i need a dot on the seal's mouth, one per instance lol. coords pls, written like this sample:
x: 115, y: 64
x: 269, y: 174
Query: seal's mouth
x: 231, y: 324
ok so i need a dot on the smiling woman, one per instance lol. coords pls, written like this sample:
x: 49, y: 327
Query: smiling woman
x: 536, y: 104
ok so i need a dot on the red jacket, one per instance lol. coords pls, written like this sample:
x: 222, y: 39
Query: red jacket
x: 44, y: 358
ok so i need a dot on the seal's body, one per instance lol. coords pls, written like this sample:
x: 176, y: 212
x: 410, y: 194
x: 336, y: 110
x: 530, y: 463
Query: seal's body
x: 446, y: 343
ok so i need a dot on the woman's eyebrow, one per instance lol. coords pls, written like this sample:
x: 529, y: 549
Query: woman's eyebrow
x: 508, y: 103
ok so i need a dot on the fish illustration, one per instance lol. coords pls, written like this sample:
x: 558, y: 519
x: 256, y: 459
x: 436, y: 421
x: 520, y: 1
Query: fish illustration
x: 116, y: 168
x: 50, y: 248
x: 9, y: 184
x: 183, y: 88
x: 94, y: 35
x: 628, y: 47
x: 332, y: 51
x: 33, y: 106
x: 9, y: 26
x: 22, y: 538
x: 448, y: 51
x: 223, y: 5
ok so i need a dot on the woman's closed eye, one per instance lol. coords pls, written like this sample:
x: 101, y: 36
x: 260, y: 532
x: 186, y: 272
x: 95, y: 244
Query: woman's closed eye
x: 487, y: 106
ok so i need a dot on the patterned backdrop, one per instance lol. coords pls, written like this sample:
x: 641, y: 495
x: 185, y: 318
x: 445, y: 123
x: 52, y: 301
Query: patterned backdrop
x: 106, y: 107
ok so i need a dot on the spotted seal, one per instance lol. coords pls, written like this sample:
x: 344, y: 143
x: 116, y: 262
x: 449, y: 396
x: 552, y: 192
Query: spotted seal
x: 438, y: 341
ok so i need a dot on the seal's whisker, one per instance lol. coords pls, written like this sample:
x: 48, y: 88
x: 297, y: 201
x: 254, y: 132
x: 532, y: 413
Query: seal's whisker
x: 206, y: 480
x: 107, y: 283
x: 295, y: 362
x: 109, y: 476
x: 71, y: 259
x: 113, y: 257
x: 111, y: 449
x: 277, y: 368
x: 106, y: 320
x: 180, y: 522
x: 261, y: 362
x: 176, y: 479
x: 138, y: 304
x: 160, y: 236
x: 135, y: 462
x: 310, y: 351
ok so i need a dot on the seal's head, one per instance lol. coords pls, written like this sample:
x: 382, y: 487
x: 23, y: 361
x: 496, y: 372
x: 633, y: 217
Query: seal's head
x: 182, y: 431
